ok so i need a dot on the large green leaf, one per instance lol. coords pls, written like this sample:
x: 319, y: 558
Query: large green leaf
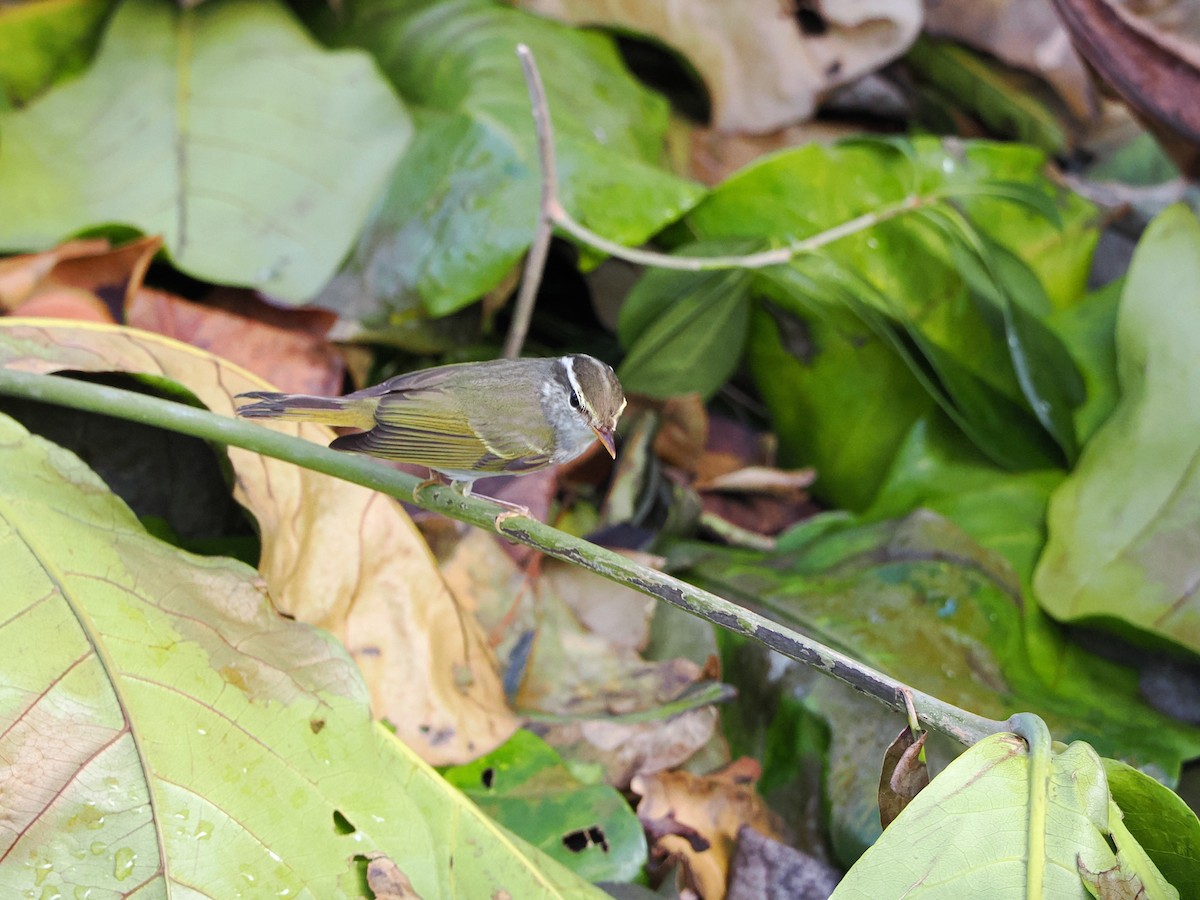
x: 917, y: 599
x: 164, y: 731
x: 525, y: 786
x: 225, y: 128
x: 1162, y: 823
x: 936, y: 468
x: 685, y: 331
x: 462, y: 206
x: 1004, y: 820
x: 41, y: 42
x: 1123, y: 529
x: 973, y: 338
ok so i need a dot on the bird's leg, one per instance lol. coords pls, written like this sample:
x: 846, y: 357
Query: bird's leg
x: 434, y: 479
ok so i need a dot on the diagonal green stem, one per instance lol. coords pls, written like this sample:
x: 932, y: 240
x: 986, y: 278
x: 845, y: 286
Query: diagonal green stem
x: 963, y: 726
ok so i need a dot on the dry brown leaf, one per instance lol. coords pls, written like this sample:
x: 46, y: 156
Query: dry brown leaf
x: 286, y: 347
x: 903, y: 776
x: 335, y: 555
x: 696, y: 819
x: 1153, y: 70
x: 21, y: 275
x: 766, y: 64
x: 571, y: 671
x: 618, y: 614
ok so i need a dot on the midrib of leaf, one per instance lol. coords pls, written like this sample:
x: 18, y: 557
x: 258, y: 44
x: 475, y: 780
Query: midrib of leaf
x: 110, y: 670
x: 1037, y: 736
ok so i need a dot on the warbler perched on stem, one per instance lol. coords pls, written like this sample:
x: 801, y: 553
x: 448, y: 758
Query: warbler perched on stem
x: 472, y: 420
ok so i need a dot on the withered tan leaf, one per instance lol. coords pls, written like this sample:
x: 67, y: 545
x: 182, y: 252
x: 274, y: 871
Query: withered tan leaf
x: 333, y: 554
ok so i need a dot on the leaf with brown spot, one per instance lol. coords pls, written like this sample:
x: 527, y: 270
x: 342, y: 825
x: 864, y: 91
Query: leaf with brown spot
x: 333, y: 554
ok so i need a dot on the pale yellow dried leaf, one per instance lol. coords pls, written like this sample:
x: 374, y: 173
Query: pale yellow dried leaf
x: 334, y: 554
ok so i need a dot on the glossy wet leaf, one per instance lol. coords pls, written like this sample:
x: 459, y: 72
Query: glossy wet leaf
x: 462, y: 204
x: 685, y: 331
x: 164, y: 730
x: 1123, y: 527
x: 1164, y: 825
x: 967, y: 834
x: 246, y: 174
x: 334, y: 554
x: 886, y: 314
x: 919, y: 600
x: 936, y: 468
x: 525, y: 786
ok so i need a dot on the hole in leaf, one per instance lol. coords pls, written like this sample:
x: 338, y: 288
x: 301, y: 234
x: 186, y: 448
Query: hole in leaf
x: 316, y: 725
x: 488, y: 777
x: 578, y: 841
x: 341, y: 824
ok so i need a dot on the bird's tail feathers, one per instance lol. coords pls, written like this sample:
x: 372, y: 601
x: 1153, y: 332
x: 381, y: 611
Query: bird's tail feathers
x: 356, y: 412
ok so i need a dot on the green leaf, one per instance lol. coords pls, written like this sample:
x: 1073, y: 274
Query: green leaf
x: 838, y: 398
x: 44, y: 42
x: 937, y: 469
x: 991, y: 366
x: 919, y: 600
x: 1124, y: 526
x: 255, y: 154
x: 1001, y: 99
x: 167, y: 731
x: 462, y: 207
x: 1164, y: 826
x: 969, y: 832
x: 1089, y: 330
x: 685, y: 330
x: 525, y: 786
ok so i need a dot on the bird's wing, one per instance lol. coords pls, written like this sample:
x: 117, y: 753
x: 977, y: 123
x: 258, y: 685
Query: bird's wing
x: 418, y: 421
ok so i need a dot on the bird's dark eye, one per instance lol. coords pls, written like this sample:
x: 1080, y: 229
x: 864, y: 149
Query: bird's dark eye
x: 574, y: 400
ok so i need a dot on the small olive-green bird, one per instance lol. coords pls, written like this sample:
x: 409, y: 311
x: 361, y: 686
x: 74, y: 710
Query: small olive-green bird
x: 472, y: 420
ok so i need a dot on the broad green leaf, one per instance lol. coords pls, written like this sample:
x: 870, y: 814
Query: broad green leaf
x: 525, y: 786
x: 1000, y: 99
x: 838, y: 398
x: 164, y: 731
x: 1089, y: 330
x: 917, y: 599
x: 685, y: 331
x: 969, y: 832
x: 1124, y: 526
x: 937, y: 469
x: 334, y: 554
x: 43, y: 42
x: 225, y: 128
x: 998, y: 372
x: 462, y: 206
x: 1164, y: 826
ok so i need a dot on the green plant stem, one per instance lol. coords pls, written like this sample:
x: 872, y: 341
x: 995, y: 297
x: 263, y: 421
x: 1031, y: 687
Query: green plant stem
x: 551, y: 211
x: 959, y: 724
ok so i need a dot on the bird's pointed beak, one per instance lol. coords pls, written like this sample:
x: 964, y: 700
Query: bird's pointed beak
x: 606, y: 438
